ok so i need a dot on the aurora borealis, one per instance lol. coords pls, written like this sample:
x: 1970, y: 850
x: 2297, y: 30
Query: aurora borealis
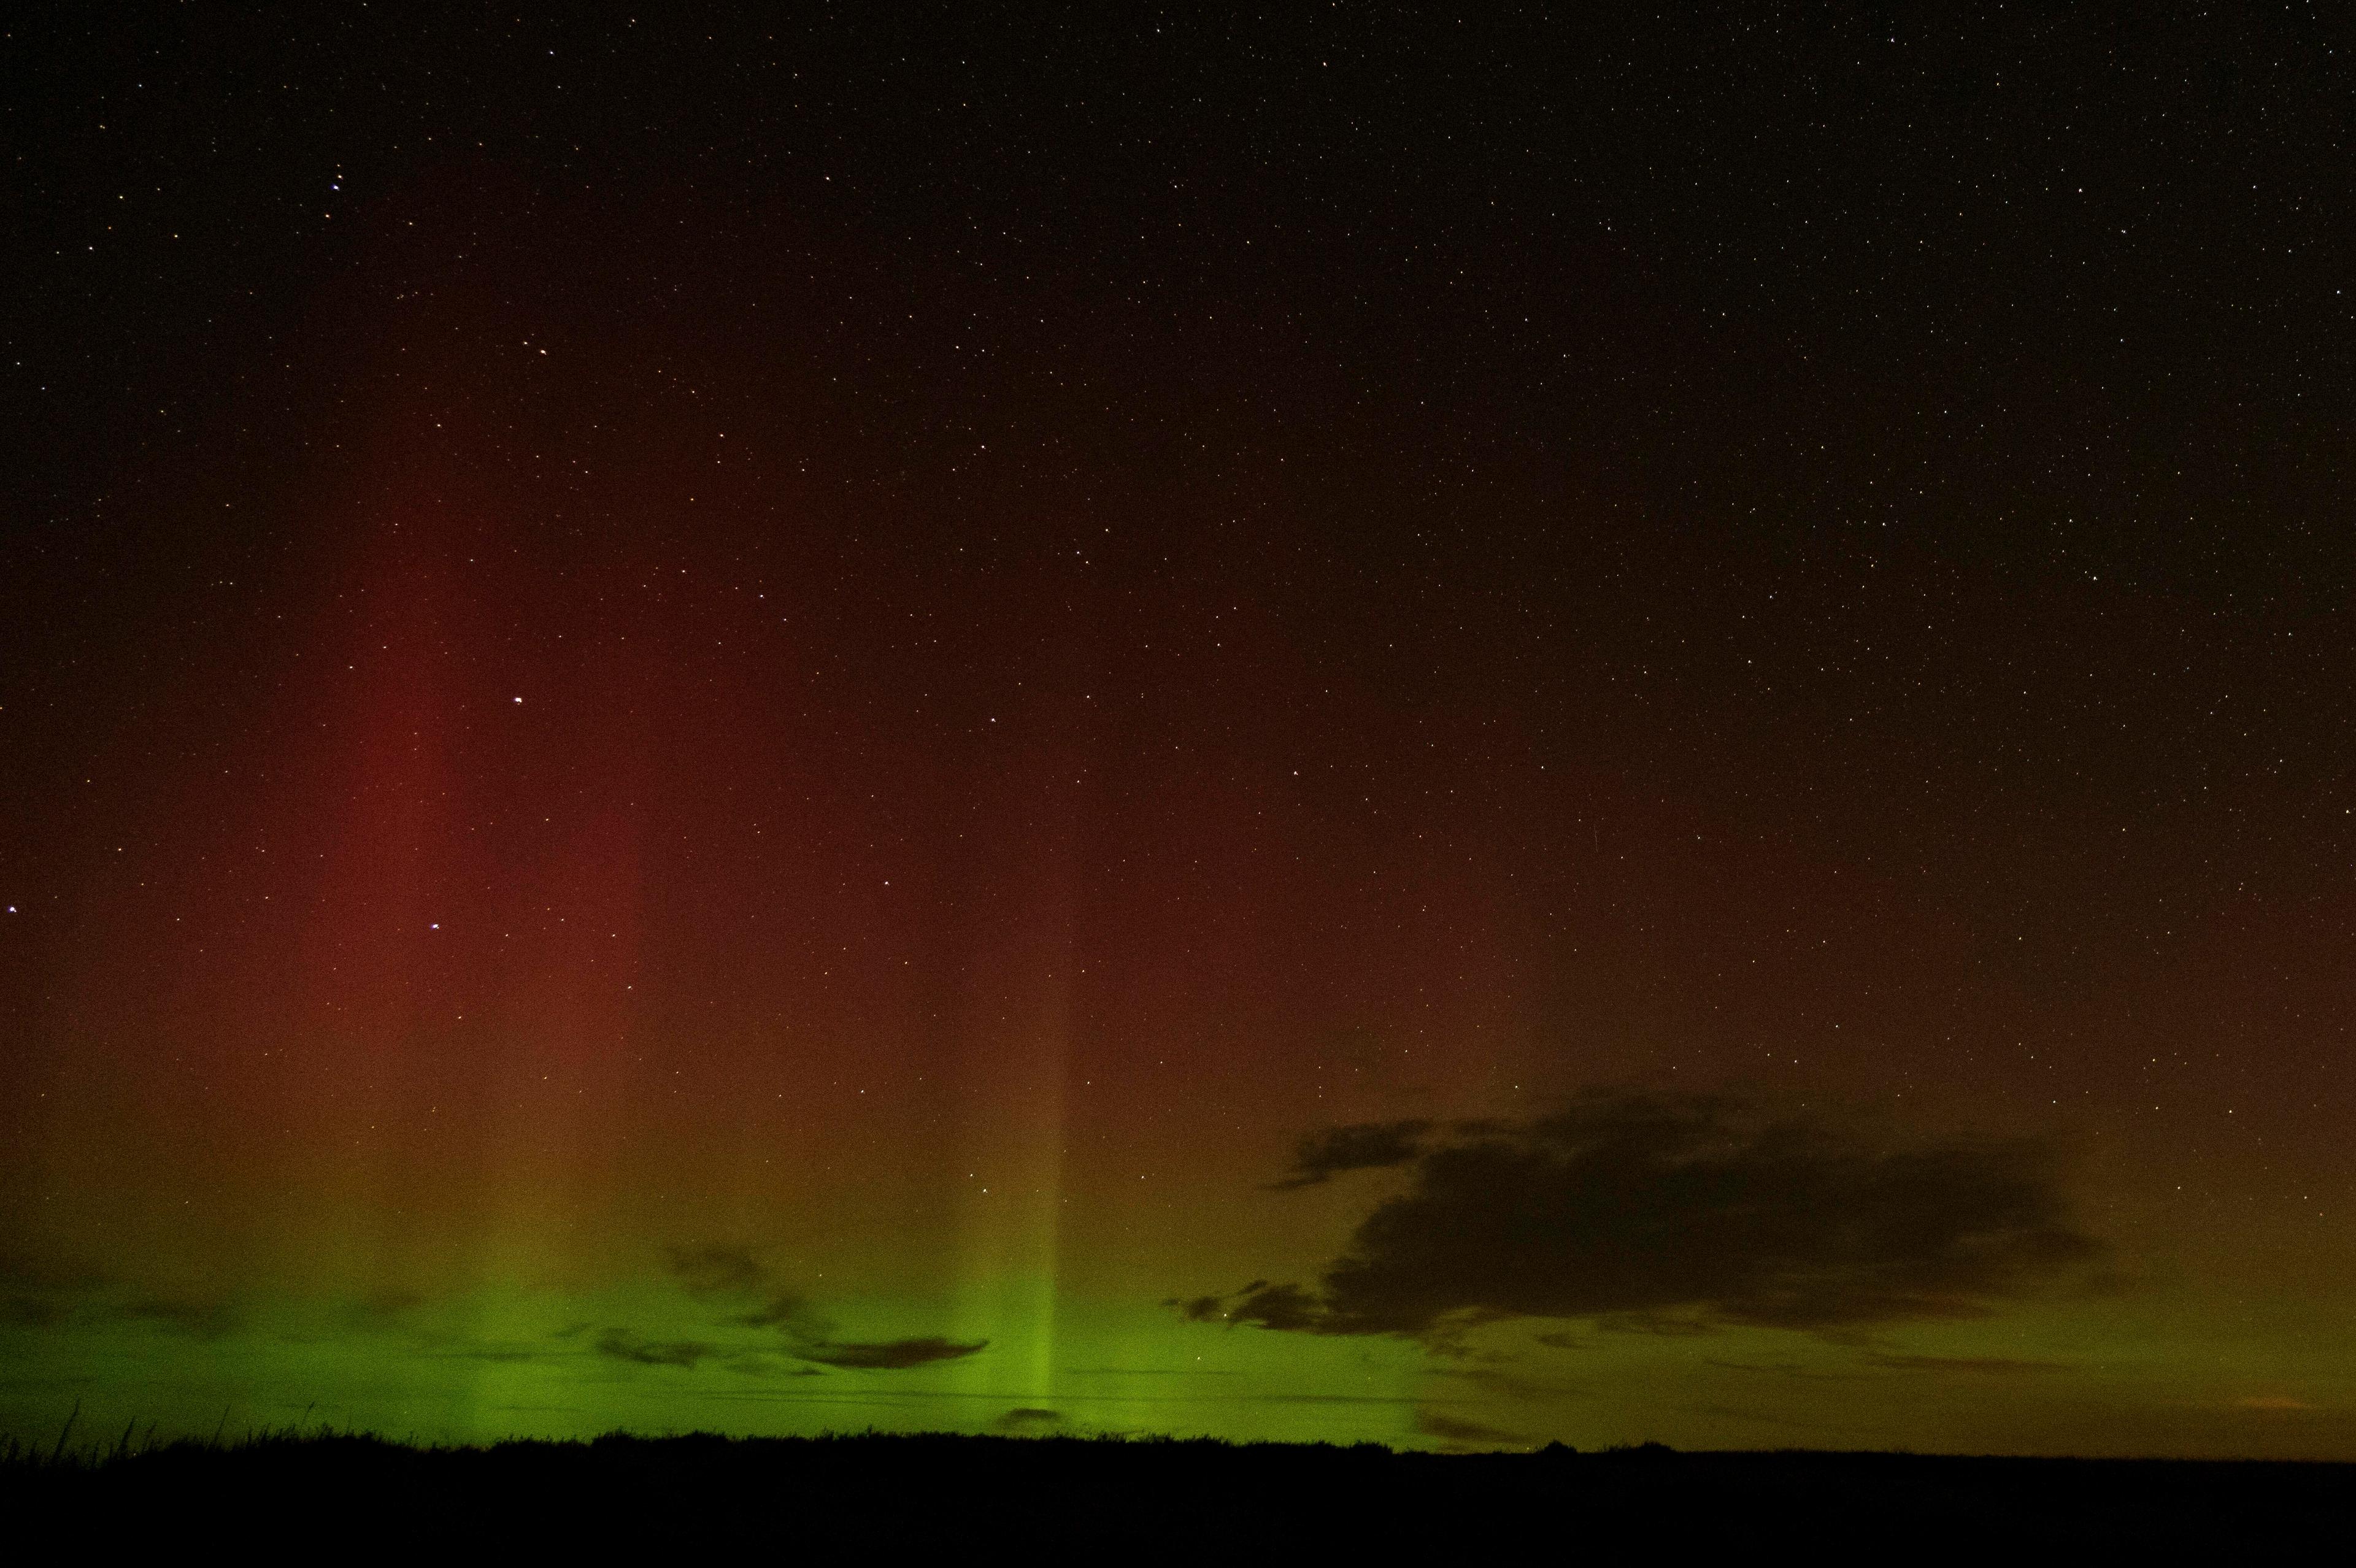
x: 1370, y: 727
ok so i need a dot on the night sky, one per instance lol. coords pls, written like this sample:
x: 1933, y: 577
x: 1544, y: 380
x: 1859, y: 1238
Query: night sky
x: 1352, y: 723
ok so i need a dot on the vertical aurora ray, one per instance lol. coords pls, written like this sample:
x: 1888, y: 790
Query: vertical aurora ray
x: 1021, y: 985
x: 659, y: 778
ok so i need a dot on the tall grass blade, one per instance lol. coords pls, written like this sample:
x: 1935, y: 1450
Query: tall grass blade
x: 59, y: 1452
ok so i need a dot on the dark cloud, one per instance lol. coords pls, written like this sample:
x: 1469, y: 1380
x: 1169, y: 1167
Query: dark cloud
x: 500, y: 1354
x: 712, y: 1269
x: 1683, y: 1323
x: 717, y: 1269
x: 1508, y: 1385
x: 1795, y: 1370
x: 1283, y: 1307
x: 1368, y: 1145
x: 1465, y: 1434
x: 40, y: 1293
x: 203, y: 1320
x: 1996, y: 1366
x: 1681, y: 1214
x: 792, y: 1313
x: 622, y: 1345
x: 1028, y: 1419
x: 31, y: 1311
x: 709, y: 1269
x: 888, y: 1355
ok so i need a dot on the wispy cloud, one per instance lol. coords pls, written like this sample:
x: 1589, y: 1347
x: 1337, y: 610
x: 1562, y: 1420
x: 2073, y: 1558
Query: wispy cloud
x: 712, y: 1269
x: 1364, y: 1146
x: 622, y: 1345
x: 1459, y: 1433
x: 708, y: 1270
x: 889, y: 1355
x: 2273, y: 1401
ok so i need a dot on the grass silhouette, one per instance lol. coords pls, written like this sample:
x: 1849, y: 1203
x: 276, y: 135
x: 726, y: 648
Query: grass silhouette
x: 1145, y: 1497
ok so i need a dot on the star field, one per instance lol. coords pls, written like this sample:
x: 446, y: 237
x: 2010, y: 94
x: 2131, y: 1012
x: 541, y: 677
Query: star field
x: 903, y: 718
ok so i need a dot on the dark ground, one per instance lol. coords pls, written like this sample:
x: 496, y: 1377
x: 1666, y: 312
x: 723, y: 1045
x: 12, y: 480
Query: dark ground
x: 1060, y: 1497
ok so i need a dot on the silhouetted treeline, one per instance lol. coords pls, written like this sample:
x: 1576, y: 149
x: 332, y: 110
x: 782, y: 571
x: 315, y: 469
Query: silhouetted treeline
x: 1112, y: 1500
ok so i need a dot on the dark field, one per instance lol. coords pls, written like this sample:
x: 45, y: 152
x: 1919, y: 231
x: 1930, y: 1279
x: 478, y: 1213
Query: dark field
x: 1113, y: 1499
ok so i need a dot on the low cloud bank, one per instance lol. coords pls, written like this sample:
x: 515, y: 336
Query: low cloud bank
x: 1660, y: 1212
